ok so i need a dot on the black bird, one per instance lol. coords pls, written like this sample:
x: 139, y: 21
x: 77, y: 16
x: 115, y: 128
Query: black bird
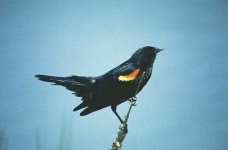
x: 112, y: 88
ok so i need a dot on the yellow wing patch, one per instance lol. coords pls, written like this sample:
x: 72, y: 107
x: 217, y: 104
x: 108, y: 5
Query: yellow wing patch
x: 130, y: 76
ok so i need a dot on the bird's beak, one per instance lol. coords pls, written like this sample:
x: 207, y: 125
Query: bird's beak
x: 158, y: 50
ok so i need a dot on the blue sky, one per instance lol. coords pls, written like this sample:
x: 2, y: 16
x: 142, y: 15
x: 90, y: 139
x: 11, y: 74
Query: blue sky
x: 183, y: 106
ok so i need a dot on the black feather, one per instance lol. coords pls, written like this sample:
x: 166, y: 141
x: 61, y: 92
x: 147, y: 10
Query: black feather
x: 111, y: 88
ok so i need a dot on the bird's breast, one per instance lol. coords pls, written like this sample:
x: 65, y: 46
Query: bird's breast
x: 112, y: 89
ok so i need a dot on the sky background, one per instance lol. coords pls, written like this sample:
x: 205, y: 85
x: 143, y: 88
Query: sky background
x: 183, y: 106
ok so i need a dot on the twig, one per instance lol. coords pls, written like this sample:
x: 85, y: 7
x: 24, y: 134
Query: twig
x: 117, y: 142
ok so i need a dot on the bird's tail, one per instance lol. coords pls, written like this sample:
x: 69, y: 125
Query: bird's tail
x: 81, y: 86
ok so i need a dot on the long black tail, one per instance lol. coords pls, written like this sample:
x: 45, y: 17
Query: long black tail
x: 81, y: 86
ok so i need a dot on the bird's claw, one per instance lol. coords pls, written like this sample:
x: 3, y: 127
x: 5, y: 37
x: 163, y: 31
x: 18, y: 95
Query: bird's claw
x: 123, y: 127
x: 133, y: 100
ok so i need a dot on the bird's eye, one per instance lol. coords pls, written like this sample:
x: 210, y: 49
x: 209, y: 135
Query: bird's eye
x: 149, y: 53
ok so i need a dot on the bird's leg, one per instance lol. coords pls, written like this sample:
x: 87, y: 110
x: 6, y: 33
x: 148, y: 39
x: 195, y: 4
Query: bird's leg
x: 113, y: 107
x: 133, y: 100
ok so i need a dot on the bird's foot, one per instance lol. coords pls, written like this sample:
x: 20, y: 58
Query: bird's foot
x: 133, y: 100
x: 123, y: 127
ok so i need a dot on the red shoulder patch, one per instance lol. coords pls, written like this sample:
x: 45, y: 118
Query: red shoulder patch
x: 130, y: 76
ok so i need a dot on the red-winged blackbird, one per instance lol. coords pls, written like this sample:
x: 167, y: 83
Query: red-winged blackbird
x: 113, y: 87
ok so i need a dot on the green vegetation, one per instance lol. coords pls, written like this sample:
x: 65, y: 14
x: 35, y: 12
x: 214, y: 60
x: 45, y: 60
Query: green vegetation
x: 65, y: 138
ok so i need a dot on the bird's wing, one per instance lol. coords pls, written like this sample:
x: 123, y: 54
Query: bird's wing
x: 126, y: 72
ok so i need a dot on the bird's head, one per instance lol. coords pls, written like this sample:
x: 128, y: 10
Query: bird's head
x: 145, y: 56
